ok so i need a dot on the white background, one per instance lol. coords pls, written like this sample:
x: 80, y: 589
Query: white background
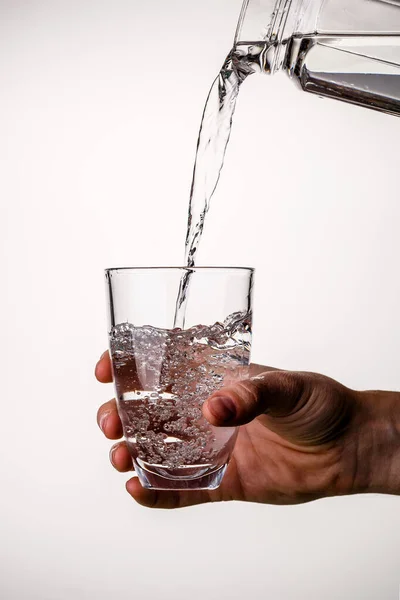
x: 100, y: 103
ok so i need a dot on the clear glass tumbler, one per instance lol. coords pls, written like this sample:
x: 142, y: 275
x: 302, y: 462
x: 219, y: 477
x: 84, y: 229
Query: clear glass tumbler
x: 163, y: 374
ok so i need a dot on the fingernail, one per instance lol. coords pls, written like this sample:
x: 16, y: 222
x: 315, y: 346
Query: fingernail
x: 100, y: 359
x: 222, y: 408
x: 113, y: 449
x: 102, y: 421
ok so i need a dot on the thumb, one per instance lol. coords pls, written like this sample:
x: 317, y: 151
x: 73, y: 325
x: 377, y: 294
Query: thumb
x: 277, y: 393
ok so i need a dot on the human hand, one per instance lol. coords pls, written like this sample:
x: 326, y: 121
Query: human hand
x: 303, y: 436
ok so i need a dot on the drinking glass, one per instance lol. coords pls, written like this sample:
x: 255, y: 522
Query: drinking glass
x: 163, y: 373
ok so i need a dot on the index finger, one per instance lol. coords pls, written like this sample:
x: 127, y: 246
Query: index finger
x: 103, y: 371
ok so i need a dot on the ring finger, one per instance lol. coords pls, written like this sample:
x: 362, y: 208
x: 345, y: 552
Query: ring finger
x: 120, y: 458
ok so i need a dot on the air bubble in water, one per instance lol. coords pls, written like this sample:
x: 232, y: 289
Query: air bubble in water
x: 165, y: 376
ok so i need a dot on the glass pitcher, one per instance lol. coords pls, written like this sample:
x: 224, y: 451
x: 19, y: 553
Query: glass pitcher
x: 343, y: 49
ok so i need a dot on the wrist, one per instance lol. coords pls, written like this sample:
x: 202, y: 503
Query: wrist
x: 377, y: 447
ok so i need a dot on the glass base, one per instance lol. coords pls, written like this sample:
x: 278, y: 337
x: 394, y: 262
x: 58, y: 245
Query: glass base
x: 206, y: 480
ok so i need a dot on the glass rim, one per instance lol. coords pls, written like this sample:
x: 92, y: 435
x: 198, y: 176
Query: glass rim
x: 141, y: 269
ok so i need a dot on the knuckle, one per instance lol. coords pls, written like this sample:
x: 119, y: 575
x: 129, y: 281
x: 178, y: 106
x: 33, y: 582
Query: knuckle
x: 249, y: 391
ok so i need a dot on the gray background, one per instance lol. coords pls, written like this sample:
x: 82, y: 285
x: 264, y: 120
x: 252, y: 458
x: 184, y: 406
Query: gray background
x: 100, y: 105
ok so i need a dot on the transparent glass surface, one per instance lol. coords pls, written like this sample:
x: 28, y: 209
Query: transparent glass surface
x: 163, y: 374
x: 344, y: 49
